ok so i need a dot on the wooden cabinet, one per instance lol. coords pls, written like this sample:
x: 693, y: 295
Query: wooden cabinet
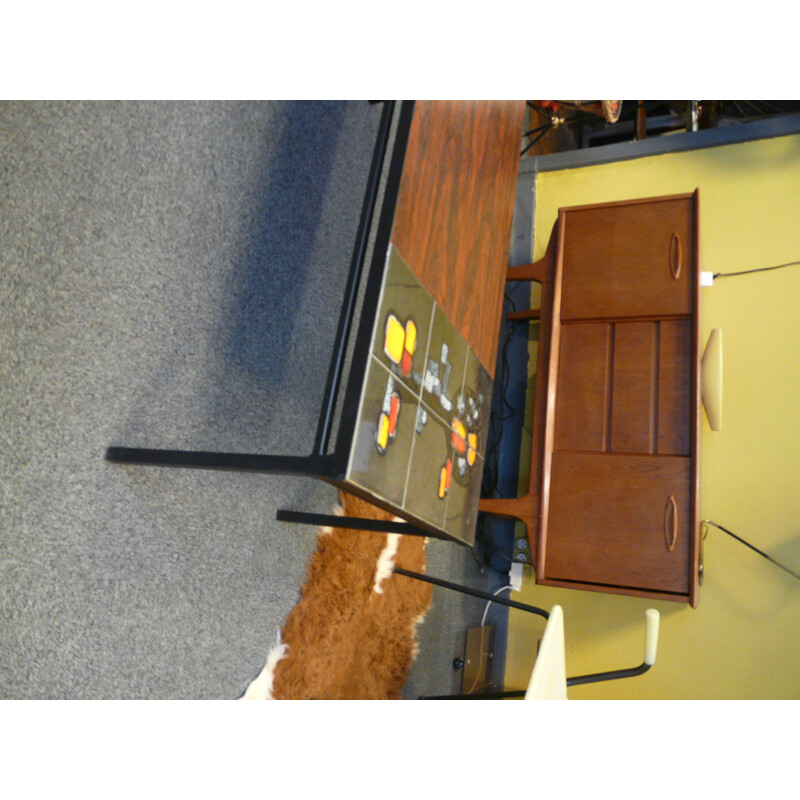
x: 613, y: 499
x: 619, y: 478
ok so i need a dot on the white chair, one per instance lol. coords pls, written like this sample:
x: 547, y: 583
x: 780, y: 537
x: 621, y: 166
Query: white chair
x: 549, y: 679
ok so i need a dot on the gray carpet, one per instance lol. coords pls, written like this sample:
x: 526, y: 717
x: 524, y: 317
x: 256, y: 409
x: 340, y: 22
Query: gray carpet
x: 170, y: 276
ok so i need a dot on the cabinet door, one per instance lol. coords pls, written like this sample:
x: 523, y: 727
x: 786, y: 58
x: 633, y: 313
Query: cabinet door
x: 620, y: 520
x: 625, y: 387
x: 634, y: 259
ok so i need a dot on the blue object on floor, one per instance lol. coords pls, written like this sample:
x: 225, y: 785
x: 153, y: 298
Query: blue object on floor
x: 501, y: 472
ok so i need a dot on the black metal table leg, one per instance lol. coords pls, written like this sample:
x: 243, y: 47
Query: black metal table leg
x: 313, y: 465
x: 473, y: 592
x: 355, y: 523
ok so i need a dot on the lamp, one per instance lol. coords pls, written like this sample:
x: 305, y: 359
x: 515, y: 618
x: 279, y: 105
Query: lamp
x: 711, y: 379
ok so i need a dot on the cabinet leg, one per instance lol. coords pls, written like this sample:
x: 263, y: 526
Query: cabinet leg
x: 532, y: 314
x: 508, y: 507
x: 538, y: 271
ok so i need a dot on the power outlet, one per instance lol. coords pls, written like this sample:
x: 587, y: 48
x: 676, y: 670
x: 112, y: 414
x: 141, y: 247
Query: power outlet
x: 515, y: 576
x: 522, y: 550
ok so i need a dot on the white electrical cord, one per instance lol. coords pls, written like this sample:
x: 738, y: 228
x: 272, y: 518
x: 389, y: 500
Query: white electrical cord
x: 483, y: 622
x: 486, y: 610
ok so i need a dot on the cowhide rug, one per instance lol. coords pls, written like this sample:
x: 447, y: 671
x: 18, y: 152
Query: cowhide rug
x: 353, y: 634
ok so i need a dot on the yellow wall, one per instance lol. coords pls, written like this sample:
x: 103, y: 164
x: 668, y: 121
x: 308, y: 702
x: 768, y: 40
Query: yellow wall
x: 743, y: 640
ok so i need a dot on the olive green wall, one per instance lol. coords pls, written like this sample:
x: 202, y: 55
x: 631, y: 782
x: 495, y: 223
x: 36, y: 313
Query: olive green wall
x: 743, y: 640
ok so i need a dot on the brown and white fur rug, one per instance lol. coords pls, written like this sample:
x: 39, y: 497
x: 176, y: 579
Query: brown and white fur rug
x: 353, y: 634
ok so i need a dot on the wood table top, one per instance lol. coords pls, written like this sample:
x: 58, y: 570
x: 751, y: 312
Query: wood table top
x: 455, y: 210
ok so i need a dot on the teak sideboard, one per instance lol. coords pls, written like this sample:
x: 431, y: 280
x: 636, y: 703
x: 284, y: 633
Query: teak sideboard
x: 613, y: 495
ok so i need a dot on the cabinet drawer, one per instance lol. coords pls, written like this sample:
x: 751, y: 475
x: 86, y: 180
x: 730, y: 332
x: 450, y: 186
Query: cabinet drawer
x: 620, y: 520
x: 635, y: 259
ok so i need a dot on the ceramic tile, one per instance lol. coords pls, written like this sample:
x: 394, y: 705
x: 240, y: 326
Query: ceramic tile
x: 431, y: 453
x: 461, y: 515
x: 400, y: 340
x: 384, y: 435
x: 419, y: 441
x: 444, y: 370
x: 475, y: 402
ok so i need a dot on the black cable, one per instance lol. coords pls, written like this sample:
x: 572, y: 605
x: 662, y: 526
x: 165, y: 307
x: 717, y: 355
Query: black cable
x: 546, y: 129
x: 749, y: 271
x: 760, y: 552
x: 498, y: 417
x: 484, y: 549
x: 536, y: 130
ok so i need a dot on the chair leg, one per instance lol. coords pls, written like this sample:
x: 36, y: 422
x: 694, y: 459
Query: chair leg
x: 614, y: 675
x: 485, y: 596
x: 516, y: 693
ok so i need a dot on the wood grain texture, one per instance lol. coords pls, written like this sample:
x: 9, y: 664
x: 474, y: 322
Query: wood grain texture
x: 633, y: 393
x: 455, y: 209
x: 610, y: 513
x: 619, y: 478
x: 620, y: 259
x: 582, y: 418
x: 675, y: 387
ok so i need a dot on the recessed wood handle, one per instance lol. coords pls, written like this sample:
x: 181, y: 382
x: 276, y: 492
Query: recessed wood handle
x: 671, y: 531
x: 675, y: 256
